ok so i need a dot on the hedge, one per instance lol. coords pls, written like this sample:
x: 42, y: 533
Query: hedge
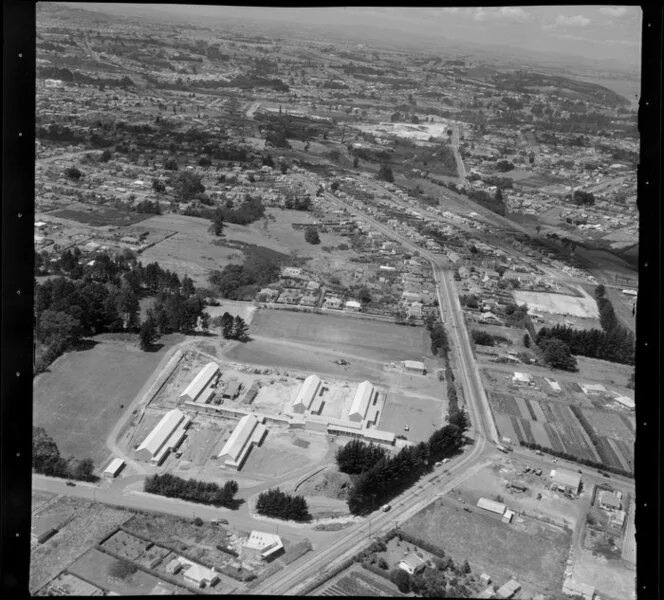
x: 429, y: 547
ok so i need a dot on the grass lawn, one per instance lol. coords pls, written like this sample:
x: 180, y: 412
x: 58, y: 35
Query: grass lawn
x: 422, y: 415
x: 78, y: 400
x: 101, y: 216
x: 537, y: 561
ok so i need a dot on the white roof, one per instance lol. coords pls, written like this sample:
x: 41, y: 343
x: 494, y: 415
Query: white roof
x: 593, y: 387
x: 353, y: 304
x: 115, y: 466
x: 379, y: 435
x: 307, y: 391
x: 491, y: 505
x: 625, y: 401
x: 521, y: 376
x: 158, y: 436
x: 554, y: 384
x: 200, y: 573
x: 243, y: 430
x: 567, y: 478
x: 361, y: 399
x: 200, y: 381
x: 412, y: 560
x: 413, y: 364
x: 266, y: 543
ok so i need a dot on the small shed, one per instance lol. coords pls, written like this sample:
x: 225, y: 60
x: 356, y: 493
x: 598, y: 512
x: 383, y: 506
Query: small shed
x: 415, y: 366
x: 113, y: 470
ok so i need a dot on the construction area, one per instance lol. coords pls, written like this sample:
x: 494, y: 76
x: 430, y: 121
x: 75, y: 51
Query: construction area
x: 212, y: 419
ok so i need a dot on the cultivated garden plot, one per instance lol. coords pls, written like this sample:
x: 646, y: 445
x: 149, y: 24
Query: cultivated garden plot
x: 67, y: 584
x: 91, y: 523
x: 355, y: 581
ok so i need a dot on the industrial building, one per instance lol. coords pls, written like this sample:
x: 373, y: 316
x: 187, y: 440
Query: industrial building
x: 566, y: 481
x: 248, y: 432
x: 592, y: 389
x: 114, y: 468
x: 165, y: 437
x: 491, y: 505
x: 198, y: 575
x: 306, y: 394
x: 200, y: 382
x: 361, y: 401
x: 261, y: 545
x: 415, y: 366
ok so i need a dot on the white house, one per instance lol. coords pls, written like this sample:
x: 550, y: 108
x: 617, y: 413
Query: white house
x: 412, y: 564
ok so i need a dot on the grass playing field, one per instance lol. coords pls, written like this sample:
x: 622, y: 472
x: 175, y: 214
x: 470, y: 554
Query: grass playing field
x: 78, y: 400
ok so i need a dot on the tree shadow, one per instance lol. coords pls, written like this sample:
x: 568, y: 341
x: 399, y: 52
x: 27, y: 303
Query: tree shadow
x: 84, y: 344
x: 154, y: 348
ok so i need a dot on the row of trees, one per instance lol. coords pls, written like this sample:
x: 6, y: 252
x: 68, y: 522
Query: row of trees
x: 192, y: 490
x: 278, y: 504
x: 389, y: 476
x: 46, y: 459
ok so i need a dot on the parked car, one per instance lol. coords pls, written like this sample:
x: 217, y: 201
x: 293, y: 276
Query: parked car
x: 70, y: 484
x: 406, y: 428
x: 385, y: 507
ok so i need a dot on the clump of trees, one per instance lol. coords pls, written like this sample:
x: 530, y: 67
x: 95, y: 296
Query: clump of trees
x: 187, y: 185
x: 232, y: 328
x: 233, y: 280
x: 73, y: 173
x: 46, y: 459
x: 385, y: 173
x: 147, y: 206
x: 484, y: 338
x: 311, y: 235
x: 192, y: 490
x: 557, y: 354
x: 278, y: 504
x: 356, y: 456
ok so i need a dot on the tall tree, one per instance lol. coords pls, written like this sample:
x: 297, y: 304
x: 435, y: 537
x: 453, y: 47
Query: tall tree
x: 148, y: 333
x: 240, y: 329
x: 227, y: 325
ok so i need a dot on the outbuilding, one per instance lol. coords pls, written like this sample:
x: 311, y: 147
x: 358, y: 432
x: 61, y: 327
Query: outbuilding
x: 491, y: 505
x: 361, y: 401
x: 509, y: 589
x: 522, y: 378
x: 113, y: 470
x: 566, y: 481
x: 415, y: 366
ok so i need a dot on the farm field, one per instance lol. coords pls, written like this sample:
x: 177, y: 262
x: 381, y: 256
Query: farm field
x: 69, y: 585
x: 39, y: 499
x: 612, y: 375
x: 356, y: 581
x: 78, y: 400
x: 536, y: 558
x: 91, y: 523
x: 373, y: 339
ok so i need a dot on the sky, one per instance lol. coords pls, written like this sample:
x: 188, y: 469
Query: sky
x: 609, y: 33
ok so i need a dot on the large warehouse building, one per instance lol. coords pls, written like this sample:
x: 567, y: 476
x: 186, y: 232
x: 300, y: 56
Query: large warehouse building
x: 164, y: 437
x: 306, y: 394
x: 248, y: 432
x: 361, y: 401
x: 200, y: 382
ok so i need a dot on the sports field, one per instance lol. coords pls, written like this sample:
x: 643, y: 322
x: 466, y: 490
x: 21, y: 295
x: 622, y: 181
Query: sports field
x: 369, y: 339
x: 78, y: 400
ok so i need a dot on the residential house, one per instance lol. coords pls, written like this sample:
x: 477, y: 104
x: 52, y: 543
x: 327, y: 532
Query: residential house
x: 412, y: 564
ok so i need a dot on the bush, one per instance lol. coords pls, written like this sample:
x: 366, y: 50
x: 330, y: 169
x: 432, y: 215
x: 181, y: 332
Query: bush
x: 311, y: 235
x: 198, y: 522
x: 122, y: 569
x: 401, y: 579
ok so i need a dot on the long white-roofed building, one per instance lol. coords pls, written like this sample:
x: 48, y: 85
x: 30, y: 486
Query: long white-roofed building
x: 363, y: 396
x: 165, y: 436
x: 248, y: 432
x: 200, y: 382
x: 306, y: 394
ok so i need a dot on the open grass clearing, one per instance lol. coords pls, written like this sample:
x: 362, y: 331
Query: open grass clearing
x: 536, y: 561
x: 100, y: 216
x: 422, y: 415
x: 67, y: 584
x: 91, y: 523
x: 78, y: 399
x: 613, y: 376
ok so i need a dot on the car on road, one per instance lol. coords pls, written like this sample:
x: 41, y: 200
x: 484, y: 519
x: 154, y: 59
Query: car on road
x: 217, y: 521
x: 406, y: 428
x: 341, y: 362
x: 385, y: 507
x: 70, y: 484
